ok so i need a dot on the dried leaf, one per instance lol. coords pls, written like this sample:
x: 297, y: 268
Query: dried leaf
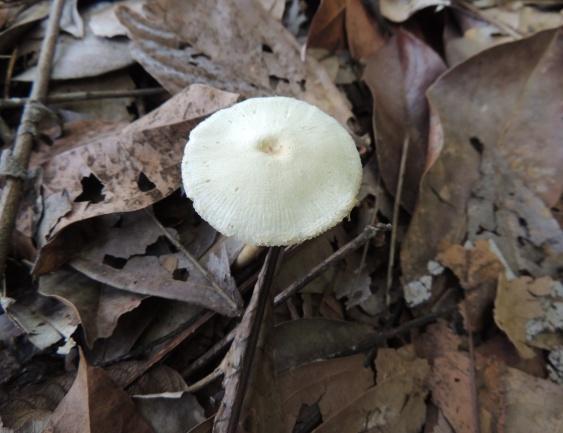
x: 131, y: 253
x: 495, y: 134
x: 104, y: 21
x: 398, y: 76
x: 228, y: 40
x: 338, y: 24
x: 394, y: 405
x: 298, y: 342
x: 104, y: 175
x: 95, y: 404
x: 330, y: 384
x: 23, y: 21
x: 529, y: 312
x: 98, y: 306
x: 74, y: 58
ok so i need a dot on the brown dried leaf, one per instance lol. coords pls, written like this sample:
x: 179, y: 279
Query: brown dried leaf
x: 490, y: 168
x: 339, y: 24
x: 477, y: 268
x: 330, y: 384
x: 243, y: 41
x: 395, y: 405
x: 98, y: 306
x: 299, y: 342
x: 126, y: 170
x: 398, y: 76
x: 527, y: 310
x: 94, y: 404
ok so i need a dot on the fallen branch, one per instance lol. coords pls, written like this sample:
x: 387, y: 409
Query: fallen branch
x: 14, y: 163
x: 58, y: 98
x: 368, y: 233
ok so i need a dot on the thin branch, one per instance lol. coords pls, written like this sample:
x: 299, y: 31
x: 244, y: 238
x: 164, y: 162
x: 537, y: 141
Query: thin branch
x: 368, y: 233
x: 220, y: 291
x: 472, y: 376
x: 58, y: 98
x: 14, y: 187
x: 221, y: 346
x: 395, y: 221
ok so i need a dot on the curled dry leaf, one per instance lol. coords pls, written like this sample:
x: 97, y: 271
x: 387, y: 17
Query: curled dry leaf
x: 340, y: 24
x: 502, y: 150
x: 123, y: 170
x: 237, y: 39
x: 98, y: 306
x: 398, y: 76
x: 94, y: 404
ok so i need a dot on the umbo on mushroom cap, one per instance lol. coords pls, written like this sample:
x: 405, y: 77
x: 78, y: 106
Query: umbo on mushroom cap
x: 271, y: 171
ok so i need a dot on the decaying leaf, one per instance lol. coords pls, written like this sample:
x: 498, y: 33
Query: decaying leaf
x: 398, y: 76
x: 498, y: 169
x: 94, y: 404
x: 340, y: 24
x: 529, y: 312
x: 125, y: 170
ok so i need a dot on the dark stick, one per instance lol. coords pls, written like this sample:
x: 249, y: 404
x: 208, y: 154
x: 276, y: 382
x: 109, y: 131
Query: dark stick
x: 84, y: 96
x: 368, y: 233
x: 13, y: 190
x: 243, y: 351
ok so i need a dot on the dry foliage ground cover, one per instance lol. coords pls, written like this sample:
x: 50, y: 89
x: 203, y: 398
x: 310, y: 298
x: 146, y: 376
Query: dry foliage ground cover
x: 122, y: 308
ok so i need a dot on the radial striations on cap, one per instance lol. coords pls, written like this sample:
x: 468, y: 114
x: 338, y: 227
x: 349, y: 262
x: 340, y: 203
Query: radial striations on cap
x: 271, y: 171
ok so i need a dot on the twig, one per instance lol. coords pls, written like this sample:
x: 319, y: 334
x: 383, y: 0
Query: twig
x: 13, y: 189
x: 85, y: 96
x: 203, y: 382
x: 472, y: 379
x: 368, y: 233
x: 243, y: 351
x: 10, y: 72
x: 395, y: 221
x: 236, y: 306
x: 211, y: 354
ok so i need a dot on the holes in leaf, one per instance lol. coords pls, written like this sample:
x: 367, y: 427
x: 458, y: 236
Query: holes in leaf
x: 477, y: 144
x: 274, y: 80
x: 161, y: 247
x: 267, y: 49
x: 180, y: 274
x: 91, y: 190
x: 114, y: 262
x: 144, y: 183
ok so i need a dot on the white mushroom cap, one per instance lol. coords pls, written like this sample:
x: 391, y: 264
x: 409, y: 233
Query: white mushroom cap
x: 271, y: 171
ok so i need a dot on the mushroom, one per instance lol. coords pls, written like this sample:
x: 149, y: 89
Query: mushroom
x: 271, y: 171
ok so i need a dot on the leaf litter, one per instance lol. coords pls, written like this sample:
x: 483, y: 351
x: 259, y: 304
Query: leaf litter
x: 122, y: 309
